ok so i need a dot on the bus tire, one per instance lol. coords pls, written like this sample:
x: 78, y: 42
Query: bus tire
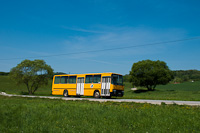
x: 65, y: 93
x: 96, y: 94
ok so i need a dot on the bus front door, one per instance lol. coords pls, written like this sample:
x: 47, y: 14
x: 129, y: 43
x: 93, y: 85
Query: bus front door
x: 105, y: 86
x: 80, y: 86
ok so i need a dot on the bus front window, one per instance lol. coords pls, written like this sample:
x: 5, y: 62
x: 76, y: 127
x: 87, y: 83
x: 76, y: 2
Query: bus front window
x: 117, y: 79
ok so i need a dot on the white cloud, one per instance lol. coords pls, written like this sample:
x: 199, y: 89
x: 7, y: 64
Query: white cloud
x: 81, y: 30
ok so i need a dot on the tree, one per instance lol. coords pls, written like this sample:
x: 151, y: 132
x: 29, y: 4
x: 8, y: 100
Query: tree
x: 149, y: 73
x: 33, y: 74
x: 126, y: 78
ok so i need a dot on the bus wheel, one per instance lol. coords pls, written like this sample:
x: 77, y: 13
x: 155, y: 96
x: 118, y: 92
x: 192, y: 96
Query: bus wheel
x: 65, y: 93
x: 96, y: 94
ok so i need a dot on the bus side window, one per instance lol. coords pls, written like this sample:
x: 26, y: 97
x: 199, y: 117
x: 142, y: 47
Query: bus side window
x: 57, y: 80
x: 72, y: 79
x: 64, y: 80
x: 88, y: 79
x: 97, y: 79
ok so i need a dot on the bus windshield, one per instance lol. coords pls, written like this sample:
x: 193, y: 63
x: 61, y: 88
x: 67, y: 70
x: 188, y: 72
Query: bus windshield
x: 117, y: 79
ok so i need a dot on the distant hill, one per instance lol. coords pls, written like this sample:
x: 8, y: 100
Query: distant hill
x: 4, y: 73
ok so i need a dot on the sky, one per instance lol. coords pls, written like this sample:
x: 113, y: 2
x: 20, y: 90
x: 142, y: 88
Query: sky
x: 40, y: 29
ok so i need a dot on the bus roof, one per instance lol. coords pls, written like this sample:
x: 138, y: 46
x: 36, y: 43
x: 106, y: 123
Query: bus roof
x: 88, y: 73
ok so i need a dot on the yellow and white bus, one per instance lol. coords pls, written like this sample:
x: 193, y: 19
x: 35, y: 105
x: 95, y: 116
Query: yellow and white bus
x: 92, y: 84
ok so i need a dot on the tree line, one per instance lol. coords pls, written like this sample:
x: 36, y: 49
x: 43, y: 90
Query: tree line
x: 186, y: 75
x: 179, y: 76
x: 4, y: 73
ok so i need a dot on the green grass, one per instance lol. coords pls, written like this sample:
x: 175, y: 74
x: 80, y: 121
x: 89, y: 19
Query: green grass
x: 45, y: 115
x: 8, y: 86
x: 185, y: 91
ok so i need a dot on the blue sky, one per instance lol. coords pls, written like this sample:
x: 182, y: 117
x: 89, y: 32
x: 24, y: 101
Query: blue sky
x: 45, y: 28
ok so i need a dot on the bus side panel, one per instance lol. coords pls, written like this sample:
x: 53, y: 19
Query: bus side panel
x: 111, y: 87
x: 88, y: 92
x: 90, y: 88
x: 59, y: 88
x: 96, y: 86
x: 71, y: 89
x: 57, y: 91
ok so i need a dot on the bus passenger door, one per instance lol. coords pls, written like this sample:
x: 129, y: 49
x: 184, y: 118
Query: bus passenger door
x: 80, y: 86
x: 105, y: 86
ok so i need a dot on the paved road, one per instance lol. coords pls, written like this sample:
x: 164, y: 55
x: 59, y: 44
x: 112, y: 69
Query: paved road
x: 192, y: 103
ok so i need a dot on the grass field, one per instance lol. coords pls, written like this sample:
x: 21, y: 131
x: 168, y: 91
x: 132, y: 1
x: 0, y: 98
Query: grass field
x: 45, y: 115
x: 188, y: 91
x: 185, y: 91
x: 8, y: 86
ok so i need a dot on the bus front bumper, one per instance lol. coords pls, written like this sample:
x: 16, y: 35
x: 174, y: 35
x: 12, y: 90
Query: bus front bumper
x: 118, y: 93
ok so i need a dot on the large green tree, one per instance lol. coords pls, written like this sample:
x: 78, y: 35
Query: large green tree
x: 148, y: 73
x: 33, y: 74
